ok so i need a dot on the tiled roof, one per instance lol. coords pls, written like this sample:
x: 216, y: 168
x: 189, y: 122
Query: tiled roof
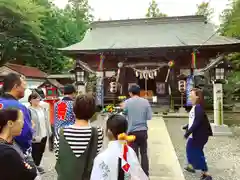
x: 85, y: 67
x: 150, y: 33
x: 55, y: 83
x: 61, y: 76
x: 27, y: 70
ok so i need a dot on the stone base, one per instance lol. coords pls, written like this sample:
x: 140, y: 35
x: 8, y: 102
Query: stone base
x: 221, y: 130
x: 175, y: 115
x: 182, y: 110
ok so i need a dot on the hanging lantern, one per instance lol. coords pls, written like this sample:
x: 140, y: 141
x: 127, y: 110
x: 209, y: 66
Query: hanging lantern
x: 155, y: 73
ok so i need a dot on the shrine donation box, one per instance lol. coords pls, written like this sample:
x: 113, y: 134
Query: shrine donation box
x: 148, y: 93
x: 51, y: 99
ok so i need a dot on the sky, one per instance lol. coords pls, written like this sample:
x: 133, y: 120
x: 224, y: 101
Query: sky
x: 128, y: 9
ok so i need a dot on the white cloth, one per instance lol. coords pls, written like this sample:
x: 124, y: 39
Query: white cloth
x: 105, y: 165
x: 41, y: 117
x: 191, y: 118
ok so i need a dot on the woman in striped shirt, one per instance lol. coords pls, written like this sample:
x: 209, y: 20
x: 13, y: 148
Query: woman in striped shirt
x: 78, y: 144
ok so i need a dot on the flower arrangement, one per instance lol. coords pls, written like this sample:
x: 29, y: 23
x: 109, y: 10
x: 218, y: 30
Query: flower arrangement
x: 171, y: 64
x: 109, y: 108
x: 122, y: 98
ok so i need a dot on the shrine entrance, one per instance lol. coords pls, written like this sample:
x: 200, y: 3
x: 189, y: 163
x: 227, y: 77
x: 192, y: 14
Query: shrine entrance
x: 147, y: 85
x: 148, y: 77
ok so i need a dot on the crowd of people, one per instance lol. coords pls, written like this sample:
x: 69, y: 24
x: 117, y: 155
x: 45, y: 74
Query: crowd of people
x: 24, y: 133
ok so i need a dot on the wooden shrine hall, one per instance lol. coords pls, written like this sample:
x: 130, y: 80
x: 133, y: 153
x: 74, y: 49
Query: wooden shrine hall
x: 139, y: 51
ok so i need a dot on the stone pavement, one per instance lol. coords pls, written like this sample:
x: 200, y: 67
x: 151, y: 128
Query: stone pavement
x: 164, y: 164
x: 163, y: 159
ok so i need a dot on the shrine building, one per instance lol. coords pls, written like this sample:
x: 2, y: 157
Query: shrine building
x: 139, y: 51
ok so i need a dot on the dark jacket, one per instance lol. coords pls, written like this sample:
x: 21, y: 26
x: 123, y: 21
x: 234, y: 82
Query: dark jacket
x: 12, y: 166
x: 201, y: 128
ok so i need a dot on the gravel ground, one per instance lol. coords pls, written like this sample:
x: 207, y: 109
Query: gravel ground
x: 222, y: 153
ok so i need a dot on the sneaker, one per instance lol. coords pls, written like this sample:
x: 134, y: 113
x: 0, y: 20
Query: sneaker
x: 190, y: 169
x: 40, y: 170
x: 205, y: 177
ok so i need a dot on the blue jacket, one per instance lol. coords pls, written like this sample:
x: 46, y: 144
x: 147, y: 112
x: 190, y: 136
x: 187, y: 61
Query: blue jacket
x: 25, y: 138
x: 201, y: 128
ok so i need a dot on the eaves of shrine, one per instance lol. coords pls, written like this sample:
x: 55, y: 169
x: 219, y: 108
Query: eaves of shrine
x: 152, y: 35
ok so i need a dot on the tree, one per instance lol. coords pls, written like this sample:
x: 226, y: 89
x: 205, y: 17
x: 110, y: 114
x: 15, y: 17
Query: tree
x: 231, y: 20
x: 230, y: 27
x: 91, y: 83
x: 20, y: 30
x: 153, y: 10
x: 68, y: 29
x: 204, y: 9
x: 32, y: 30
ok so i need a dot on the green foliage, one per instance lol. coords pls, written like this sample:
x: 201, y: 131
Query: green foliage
x: 32, y: 30
x: 231, y: 27
x: 204, y: 9
x: 231, y: 20
x: 91, y: 83
x: 153, y: 10
x: 20, y: 30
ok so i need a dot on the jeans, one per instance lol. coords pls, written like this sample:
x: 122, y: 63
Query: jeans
x: 195, y: 155
x: 141, y: 144
x: 51, y: 140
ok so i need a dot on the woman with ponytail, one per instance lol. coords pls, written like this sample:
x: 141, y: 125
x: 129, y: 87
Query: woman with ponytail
x: 118, y: 161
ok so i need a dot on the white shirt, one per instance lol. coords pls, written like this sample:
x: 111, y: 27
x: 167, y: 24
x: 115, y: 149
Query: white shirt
x: 42, y: 119
x: 105, y: 165
x: 191, y: 118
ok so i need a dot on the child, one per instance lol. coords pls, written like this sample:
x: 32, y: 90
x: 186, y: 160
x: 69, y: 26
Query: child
x: 118, y: 161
